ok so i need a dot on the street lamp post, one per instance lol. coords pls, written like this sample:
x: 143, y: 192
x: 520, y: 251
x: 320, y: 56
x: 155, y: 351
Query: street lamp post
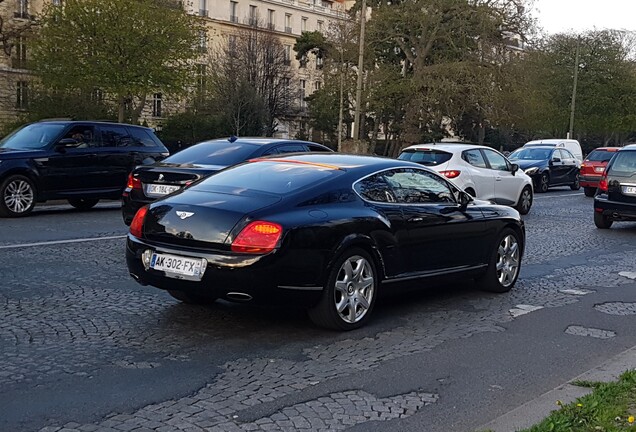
x: 576, y: 78
x: 356, y: 115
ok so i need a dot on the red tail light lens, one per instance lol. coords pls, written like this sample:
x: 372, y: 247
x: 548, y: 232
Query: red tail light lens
x: 602, y: 184
x: 137, y: 224
x: 133, y: 182
x: 258, y: 237
x: 450, y: 174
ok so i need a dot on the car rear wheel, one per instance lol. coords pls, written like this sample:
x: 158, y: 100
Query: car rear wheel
x: 505, y: 263
x: 83, y: 203
x: 602, y: 222
x: 525, y: 201
x: 17, y: 196
x: 349, y: 295
x: 589, y: 191
x: 544, y: 183
x: 190, y: 298
x: 576, y: 185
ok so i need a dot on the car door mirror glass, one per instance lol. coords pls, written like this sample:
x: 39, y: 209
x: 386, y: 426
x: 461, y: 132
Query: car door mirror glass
x: 556, y: 159
x: 464, y: 200
x: 514, y: 168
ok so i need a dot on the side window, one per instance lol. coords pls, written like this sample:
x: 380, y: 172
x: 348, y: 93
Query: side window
x: 315, y: 148
x: 115, y: 136
x: 557, y: 155
x: 566, y: 154
x: 413, y: 186
x: 84, y: 135
x: 291, y: 148
x: 141, y: 137
x: 375, y: 189
x: 475, y: 158
x: 497, y: 161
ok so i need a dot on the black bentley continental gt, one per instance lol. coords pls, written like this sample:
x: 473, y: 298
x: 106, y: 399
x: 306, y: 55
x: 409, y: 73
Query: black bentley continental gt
x: 323, y: 231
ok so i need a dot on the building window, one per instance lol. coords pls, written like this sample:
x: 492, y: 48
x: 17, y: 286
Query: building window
x: 303, y: 24
x: 19, y: 61
x: 234, y: 11
x: 253, y: 16
x: 303, y: 89
x: 317, y: 85
x: 22, y: 95
x: 271, y: 23
x: 287, y: 56
x: 231, y: 44
x: 56, y: 2
x: 203, y: 8
x: 201, y: 73
x: 288, y: 25
x: 157, y: 99
x: 97, y: 95
x: 319, y: 62
x: 23, y: 9
x: 203, y: 40
x: 320, y: 26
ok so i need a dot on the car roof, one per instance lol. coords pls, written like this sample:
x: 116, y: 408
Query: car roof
x: 104, y: 122
x: 629, y: 147
x: 610, y: 149
x: 450, y: 147
x: 542, y: 147
x: 259, y: 141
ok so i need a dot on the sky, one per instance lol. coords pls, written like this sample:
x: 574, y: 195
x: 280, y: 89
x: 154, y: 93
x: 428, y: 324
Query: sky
x: 556, y: 16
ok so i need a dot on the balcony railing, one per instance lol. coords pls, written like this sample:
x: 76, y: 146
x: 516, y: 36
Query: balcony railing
x: 23, y: 15
x: 253, y: 21
x: 203, y: 12
x: 19, y: 63
x: 288, y: 29
x: 271, y: 26
x: 234, y: 18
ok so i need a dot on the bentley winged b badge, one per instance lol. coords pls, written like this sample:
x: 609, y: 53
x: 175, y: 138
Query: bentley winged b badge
x: 184, y: 214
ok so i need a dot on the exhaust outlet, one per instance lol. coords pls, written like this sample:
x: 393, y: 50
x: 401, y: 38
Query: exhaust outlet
x: 238, y: 297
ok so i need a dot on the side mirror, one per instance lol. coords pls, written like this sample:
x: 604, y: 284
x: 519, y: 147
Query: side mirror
x: 464, y: 200
x: 556, y: 160
x: 514, y: 168
x: 67, y: 142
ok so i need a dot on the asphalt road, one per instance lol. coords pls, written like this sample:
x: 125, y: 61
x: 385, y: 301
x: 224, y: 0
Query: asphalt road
x: 83, y: 347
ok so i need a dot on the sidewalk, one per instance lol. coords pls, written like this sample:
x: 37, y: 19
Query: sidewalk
x: 536, y: 410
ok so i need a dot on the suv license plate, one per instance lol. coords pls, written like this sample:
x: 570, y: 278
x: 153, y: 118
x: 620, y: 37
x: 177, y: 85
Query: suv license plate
x: 629, y: 190
x: 159, y: 189
x: 177, y: 267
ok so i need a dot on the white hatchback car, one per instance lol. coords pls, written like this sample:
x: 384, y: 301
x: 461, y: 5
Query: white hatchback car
x: 481, y: 171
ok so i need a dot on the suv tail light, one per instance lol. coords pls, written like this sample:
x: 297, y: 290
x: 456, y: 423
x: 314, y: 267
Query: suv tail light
x: 136, y: 227
x: 451, y: 174
x: 602, y: 184
x: 258, y: 237
x: 133, y: 182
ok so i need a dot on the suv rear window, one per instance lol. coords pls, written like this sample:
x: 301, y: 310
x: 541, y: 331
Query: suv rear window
x: 427, y: 157
x: 624, y: 164
x: 600, y: 156
x: 222, y: 153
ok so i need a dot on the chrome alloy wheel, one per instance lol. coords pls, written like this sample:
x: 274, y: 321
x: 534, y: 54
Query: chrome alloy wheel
x: 525, y: 201
x: 18, y: 196
x: 507, y: 260
x: 355, y: 288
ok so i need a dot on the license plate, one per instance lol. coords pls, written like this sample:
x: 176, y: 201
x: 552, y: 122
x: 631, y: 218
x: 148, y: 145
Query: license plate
x: 160, y: 189
x: 629, y: 190
x: 599, y: 169
x: 178, y: 267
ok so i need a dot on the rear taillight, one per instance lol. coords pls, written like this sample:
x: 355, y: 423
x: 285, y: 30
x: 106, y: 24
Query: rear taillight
x: 451, y: 174
x: 133, y: 182
x: 137, y: 225
x: 602, y: 184
x: 258, y: 237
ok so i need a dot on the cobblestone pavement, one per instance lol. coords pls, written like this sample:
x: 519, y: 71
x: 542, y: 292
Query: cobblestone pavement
x: 70, y: 313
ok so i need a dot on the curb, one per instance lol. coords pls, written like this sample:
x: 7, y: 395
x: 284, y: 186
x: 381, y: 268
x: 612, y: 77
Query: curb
x: 534, y: 411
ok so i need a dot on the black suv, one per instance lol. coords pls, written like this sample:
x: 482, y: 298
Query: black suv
x: 615, y: 198
x: 81, y: 161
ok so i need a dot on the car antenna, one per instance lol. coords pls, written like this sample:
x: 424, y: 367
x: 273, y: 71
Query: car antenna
x: 232, y: 138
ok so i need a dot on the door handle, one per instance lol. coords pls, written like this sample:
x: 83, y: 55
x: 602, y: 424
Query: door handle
x: 416, y: 219
x: 497, y: 178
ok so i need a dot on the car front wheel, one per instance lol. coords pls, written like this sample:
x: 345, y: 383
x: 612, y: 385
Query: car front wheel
x: 602, y: 222
x: 17, y: 196
x: 82, y: 203
x: 505, y: 263
x: 525, y: 201
x: 349, y: 295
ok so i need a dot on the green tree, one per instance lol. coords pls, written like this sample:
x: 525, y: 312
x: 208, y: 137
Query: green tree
x: 126, y: 48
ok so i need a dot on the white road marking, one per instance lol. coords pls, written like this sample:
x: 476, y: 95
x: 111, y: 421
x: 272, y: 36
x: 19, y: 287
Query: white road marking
x: 523, y: 309
x: 58, y: 242
x: 558, y: 196
x: 576, y: 292
x: 628, y: 275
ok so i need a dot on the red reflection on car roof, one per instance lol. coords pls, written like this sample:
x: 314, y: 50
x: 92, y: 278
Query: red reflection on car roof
x: 294, y: 161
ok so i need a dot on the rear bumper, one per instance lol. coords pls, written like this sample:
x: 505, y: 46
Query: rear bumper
x: 267, y: 279
x: 614, y: 210
x: 589, y: 180
x: 129, y: 207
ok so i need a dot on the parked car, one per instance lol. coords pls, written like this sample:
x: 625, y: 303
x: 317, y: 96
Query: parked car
x: 548, y: 166
x: 150, y: 182
x: 615, y: 199
x: 80, y: 161
x: 571, y: 145
x: 481, y: 171
x: 324, y: 231
x: 593, y: 167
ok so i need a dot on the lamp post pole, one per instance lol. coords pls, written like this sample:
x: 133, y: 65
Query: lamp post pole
x: 356, y: 115
x: 576, y: 78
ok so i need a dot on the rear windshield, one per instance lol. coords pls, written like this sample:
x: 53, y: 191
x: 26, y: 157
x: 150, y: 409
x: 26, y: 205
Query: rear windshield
x: 530, y: 154
x: 270, y: 177
x: 624, y: 164
x: 222, y: 153
x: 426, y: 157
x: 600, y: 156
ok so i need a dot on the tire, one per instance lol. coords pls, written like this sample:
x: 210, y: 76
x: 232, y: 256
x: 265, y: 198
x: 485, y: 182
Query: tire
x: 471, y: 192
x: 525, y: 201
x: 349, y: 294
x: 544, y: 183
x: 589, y: 191
x: 602, y: 222
x: 17, y: 196
x: 577, y: 184
x: 507, y: 256
x: 189, y: 298
x: 83, y: 203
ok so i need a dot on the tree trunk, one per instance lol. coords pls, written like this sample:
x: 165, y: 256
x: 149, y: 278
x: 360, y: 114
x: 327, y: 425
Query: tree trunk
x: 374, y: 135
x: 482, y: 134
x: 341, y: 110
x: 121, y: 108
x: 136, y: 112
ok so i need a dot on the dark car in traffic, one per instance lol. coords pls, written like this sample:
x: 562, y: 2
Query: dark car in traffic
x: 593, y: 167
x: 150, y: 182
x: 615, y: 198
x: 79, y: 161
x: 327, y: 232
x: 548, y: 166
